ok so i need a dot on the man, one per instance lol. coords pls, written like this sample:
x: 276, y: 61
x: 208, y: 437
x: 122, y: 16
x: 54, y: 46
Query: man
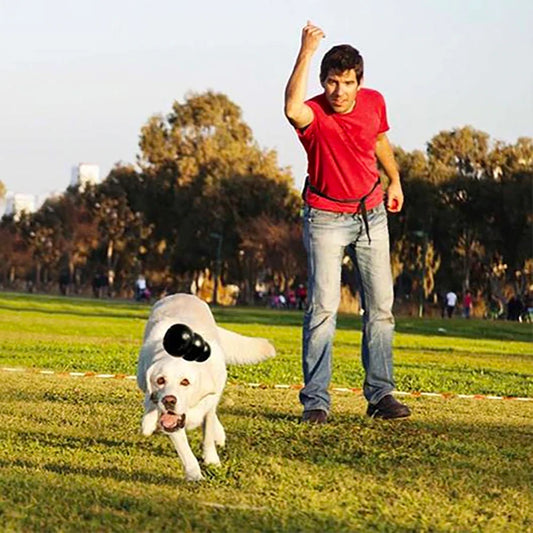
x: 467, y: 304
x: 343, y: 131
x: 451, y: 301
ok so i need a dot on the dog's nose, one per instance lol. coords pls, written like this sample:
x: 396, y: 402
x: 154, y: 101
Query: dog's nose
x: 169, y: 401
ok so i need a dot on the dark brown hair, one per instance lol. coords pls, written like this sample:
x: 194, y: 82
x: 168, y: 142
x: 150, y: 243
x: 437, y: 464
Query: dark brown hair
x: 341, y: 58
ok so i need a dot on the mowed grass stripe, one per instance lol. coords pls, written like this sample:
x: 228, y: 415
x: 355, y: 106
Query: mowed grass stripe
x: 104, y: 336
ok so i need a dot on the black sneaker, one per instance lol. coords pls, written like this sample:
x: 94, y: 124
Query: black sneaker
x: 387, y: 408
x: 315, y: 416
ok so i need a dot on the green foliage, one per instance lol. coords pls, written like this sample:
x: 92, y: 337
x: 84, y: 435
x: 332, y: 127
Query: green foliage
x: 473, y: 203
x: 460, y: 152
x: 201, y: 179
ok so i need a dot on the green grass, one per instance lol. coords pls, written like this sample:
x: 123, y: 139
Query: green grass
x: 469, y: 357
x: 72, y: 457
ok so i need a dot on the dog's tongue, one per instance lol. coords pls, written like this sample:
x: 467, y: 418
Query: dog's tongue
x: 169, y: 421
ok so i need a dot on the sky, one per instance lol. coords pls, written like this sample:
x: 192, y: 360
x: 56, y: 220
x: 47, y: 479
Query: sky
x: 78, y: 79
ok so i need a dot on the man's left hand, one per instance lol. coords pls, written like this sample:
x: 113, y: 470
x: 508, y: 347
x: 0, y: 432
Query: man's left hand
x: 394, y: 197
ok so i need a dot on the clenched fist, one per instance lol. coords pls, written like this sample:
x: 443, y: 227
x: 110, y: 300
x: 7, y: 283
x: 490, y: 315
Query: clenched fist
x: 311, y: 37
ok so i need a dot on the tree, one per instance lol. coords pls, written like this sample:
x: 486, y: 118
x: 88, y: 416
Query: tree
x: 460, y: 152
x: 203, y: 174
x: 276, y: 248
x: 205, y: 138
x: 508, y: 159
x: 15, y: 255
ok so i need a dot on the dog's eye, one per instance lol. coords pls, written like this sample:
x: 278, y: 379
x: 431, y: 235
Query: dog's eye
x: 185, y: 382
x: 160, y: 381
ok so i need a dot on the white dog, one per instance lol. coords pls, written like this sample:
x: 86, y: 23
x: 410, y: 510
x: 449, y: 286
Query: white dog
x: 182, y: 371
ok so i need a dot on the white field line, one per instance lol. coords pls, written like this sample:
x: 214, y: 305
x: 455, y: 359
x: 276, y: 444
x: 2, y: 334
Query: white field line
x: 358, y: 392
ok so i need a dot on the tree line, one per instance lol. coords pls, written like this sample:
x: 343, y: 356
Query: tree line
x: 204, y: 201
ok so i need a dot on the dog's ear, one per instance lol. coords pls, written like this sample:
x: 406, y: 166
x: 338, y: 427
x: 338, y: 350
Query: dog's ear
x: 148, y: 383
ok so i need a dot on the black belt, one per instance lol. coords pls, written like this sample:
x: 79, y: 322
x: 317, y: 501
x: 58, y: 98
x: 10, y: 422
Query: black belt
x: 361, y: 201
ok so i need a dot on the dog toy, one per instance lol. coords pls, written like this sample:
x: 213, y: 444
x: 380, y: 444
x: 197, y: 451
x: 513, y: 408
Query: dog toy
x: 181, y: 341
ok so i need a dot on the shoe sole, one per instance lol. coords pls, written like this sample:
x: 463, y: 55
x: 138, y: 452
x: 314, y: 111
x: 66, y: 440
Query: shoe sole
x: 382, y: 417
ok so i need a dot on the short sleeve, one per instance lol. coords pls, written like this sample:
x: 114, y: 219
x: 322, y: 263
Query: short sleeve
x: 305, y: 134
x: 383, y: 122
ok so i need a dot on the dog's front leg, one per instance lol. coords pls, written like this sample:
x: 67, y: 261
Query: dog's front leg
x: 211, y: 430
x: 149, y: 420
x: 190, y: 463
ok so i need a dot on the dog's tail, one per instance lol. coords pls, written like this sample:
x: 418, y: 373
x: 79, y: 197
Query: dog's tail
x: 241, y: 350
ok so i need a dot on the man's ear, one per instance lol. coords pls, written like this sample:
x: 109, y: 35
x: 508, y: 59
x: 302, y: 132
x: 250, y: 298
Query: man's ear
x: 360, y: 84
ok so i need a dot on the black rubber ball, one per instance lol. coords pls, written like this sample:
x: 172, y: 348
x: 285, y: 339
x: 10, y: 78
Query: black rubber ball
x: 177, y: 340
x: 195, y: 348
x: 206, y: 352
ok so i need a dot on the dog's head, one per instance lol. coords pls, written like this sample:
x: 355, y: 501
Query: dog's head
x: 174, y: 386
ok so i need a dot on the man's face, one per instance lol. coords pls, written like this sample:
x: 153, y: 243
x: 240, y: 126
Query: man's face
x: 341, y: 89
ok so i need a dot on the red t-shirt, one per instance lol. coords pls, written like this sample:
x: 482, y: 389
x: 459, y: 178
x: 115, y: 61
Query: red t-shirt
x: 341, y: 152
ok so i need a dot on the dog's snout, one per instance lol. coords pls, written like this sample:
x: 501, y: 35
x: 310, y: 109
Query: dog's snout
x: 169, y: 401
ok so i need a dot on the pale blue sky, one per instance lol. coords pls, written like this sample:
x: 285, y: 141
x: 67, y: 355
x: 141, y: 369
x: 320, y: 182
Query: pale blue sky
x: 78, y: 79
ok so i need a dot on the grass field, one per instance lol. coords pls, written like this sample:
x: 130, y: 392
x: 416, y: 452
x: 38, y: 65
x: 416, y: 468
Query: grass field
x: 72, y: 457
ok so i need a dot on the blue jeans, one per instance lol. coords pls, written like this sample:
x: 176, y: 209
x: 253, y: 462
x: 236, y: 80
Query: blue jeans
x: 326, y: 235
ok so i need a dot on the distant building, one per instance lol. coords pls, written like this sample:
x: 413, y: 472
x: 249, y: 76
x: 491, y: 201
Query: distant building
x: 15, y: 203
x: 18, y: 202
x: 84, y: 174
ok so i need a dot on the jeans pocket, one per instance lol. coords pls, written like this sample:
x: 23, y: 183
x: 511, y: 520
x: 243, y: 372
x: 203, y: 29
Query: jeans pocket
x: 378, y: 216
x: 313, y: 215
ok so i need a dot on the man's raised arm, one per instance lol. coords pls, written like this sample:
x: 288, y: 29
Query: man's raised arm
x: 299, y: 114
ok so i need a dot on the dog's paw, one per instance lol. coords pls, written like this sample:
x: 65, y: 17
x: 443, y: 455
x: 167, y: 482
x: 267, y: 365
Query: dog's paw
x: 211, y: 458
x: 149, y: 423
x: 194, y: 475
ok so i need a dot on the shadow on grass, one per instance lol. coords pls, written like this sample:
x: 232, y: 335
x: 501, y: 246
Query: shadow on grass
x: 115, y: 473
x: 433, y: 327
x: 487, y: 455
x: 69, y: 312
x: 472, y: 329
x: 117, y: 509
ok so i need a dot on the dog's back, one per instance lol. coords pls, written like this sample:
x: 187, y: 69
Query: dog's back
x: 182, y: 308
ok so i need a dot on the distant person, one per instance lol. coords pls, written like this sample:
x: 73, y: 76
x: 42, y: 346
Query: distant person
x: 528, y: 307
x: 343, y: 131
x: 515, y: 308
x: 291, y: 299
x: 64, y: 282
x: 442, y: 302
x: 141, y: 289
x: 451, y: 302
x: 467, y: 304
x: 95, y: 284
x: 301, y: 296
